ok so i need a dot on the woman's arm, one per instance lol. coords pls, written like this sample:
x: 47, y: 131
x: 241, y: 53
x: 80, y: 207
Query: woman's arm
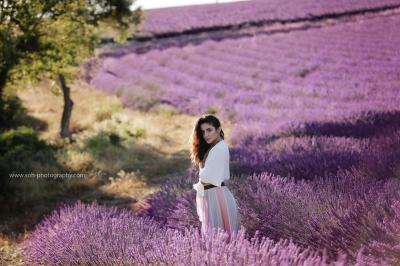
x: 202, y: 165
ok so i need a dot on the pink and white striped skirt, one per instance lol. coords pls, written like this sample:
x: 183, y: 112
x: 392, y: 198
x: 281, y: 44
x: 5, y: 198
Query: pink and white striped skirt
x: 218, y: 209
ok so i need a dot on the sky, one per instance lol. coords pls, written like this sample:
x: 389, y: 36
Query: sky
x: 149, y: 4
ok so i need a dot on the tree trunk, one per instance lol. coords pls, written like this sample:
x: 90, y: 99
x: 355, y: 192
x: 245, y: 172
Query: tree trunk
x: 68, y: 103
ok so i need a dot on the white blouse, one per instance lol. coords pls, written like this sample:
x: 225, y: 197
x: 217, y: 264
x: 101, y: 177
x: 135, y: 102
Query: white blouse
x: 216, y: 167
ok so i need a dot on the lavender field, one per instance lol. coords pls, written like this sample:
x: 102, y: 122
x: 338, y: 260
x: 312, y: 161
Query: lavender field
x: 315, y: 151
x: 189, y: 18
x: 266, y: 80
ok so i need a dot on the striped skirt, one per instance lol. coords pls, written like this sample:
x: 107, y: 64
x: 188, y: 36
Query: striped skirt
x: 218, y: 209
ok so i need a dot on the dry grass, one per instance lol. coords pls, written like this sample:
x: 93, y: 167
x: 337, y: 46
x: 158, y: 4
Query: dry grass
x: 9, y: 252
x: 167, y: 130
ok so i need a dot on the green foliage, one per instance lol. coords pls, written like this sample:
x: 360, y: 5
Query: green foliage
x: 114, y: 139
x: 212, y: 109
x: 11, y: 113
x: 64, y: 47
x: 23, y: 136
x: 165, y: 110
x: 104, y: 140
x: 21, y: 150
x: 7, y: 52
x: 105, y: 148
x: 106, y: 111
x: 139, y: 132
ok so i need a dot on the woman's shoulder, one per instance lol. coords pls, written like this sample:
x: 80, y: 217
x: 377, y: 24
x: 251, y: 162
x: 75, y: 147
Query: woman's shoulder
x: 224, y: 145
x: 220, y: 147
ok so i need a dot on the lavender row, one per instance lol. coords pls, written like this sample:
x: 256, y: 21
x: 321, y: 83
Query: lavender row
x: 178, y: 19
x: 315, y: 148
x: 94, y: 234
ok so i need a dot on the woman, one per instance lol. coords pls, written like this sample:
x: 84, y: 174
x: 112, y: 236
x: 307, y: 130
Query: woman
x: 216, y: 206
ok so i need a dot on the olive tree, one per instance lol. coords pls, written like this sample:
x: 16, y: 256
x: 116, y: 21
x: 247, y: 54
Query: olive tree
x: 50, y: 38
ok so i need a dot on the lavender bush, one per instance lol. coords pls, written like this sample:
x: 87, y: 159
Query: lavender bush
x: 96, y: 235
x: 160, y: 205
x: 91, y: 234
x: 388, y: 246
x: 336, y: 213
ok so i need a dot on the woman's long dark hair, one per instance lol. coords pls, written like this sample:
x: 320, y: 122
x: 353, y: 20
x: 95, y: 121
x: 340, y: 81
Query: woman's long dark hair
x: 199, y: 145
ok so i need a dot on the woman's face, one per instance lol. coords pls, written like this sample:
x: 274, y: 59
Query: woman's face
x: 210, y: 133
